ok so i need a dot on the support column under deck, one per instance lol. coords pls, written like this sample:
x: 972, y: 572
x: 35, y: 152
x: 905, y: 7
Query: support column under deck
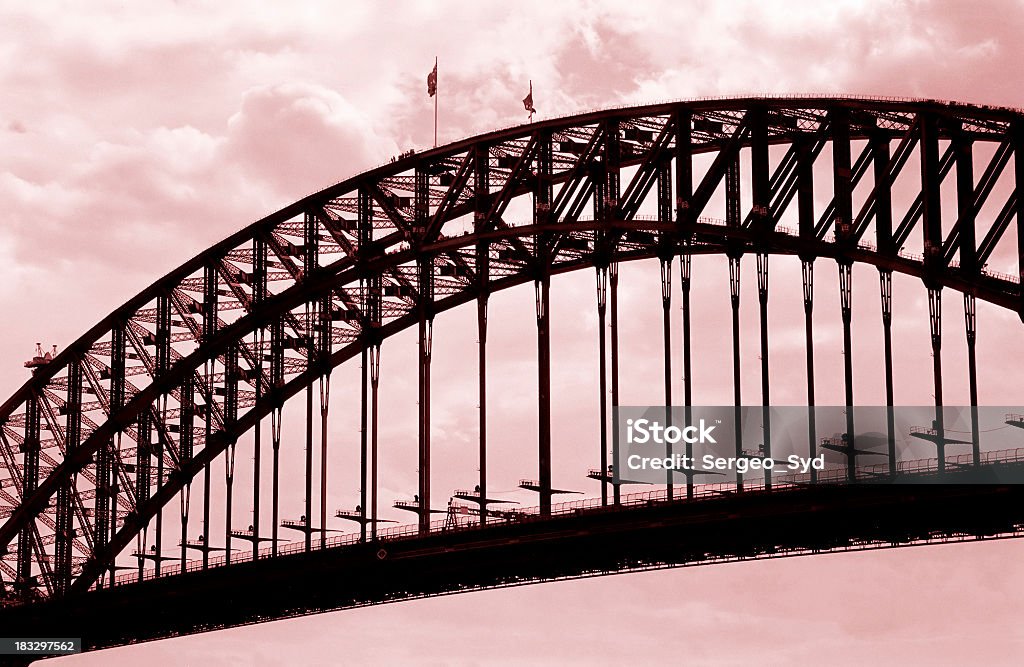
x: 885, y: 278
x: 807, y: 266
x: 666, y: 318
x: 970, y: 321
x: 685, y: 262
x: 257, y: 437
x: 275, y: 437
x: 308, y: 514
x: 935, y: 320
x: 766, y: 419
x: 613, y: 302
x: 544, y: 393
x: 734, y: 299
x: 602, y: 299
x: 374, y: 388
x: 481, y: 321
x: 325, y: 401
x: 229, y: 481
x: 364, y: 441
x: 425, y: 338
x: 845, y: 303
x: 207, y: 472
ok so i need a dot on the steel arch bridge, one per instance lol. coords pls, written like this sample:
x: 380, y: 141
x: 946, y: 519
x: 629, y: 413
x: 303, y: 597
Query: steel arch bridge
x: 117, y: 426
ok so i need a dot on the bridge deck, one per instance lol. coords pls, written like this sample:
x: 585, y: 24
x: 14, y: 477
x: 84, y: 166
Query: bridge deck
x: 997, y: 466
x: 788, y: 520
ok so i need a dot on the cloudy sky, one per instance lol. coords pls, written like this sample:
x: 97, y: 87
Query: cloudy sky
x: 132, y: 135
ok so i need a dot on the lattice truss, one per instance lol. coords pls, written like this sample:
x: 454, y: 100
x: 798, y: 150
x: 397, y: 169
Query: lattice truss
x: 111, y: 430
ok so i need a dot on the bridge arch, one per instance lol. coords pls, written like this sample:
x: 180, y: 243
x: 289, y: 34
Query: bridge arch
x: 228, y: 337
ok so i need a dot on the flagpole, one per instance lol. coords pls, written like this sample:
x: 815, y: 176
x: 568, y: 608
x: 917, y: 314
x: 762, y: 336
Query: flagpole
x: 531, y: 101
x: 435, y: 104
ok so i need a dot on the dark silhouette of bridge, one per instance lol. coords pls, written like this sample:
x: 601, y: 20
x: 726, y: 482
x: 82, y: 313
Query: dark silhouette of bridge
x: 116, y: 427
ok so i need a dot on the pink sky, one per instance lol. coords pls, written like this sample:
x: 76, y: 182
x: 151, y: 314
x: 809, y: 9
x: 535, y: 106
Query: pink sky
x: 133, y: 136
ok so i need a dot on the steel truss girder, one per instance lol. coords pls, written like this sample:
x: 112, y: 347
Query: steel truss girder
x: 313, y: 279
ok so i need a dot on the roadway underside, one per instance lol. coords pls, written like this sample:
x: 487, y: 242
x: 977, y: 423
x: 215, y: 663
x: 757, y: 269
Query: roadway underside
x: 602, y: 540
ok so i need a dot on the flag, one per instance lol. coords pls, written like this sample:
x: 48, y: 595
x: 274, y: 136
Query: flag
x: 528, y: 100
x: 432, y: 80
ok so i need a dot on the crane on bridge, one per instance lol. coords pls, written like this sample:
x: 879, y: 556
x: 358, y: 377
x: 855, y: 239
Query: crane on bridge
x: 40, y: 359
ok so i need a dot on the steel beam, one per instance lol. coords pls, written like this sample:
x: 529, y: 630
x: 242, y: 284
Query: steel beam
x: 106, y: 502
x: 807, y: 274
x: 275, y: 508
x: 935, y: 320
x: 882, y: 194
x: 842, y: 175
x: 856, y: 173
x: 310, y: 264
x: 186, y: 447
x: 324, y: 347
x: 65, y: 532
x: 259, y: 296
x: 374, y: 398
x: 481, y: 183
x: 727, y: 159
x: 1017, y: 135
x: 602, y: 300
x: 846, y: 308
x: 970, y: 322
x: 425, y: 304
x: 667, y: 241
x: 685, y: 261
x: 805, y: 191
x: 963, y: 149
x: 805, y: 155
x: 886, y: 170
x: 143, y: 455
x: 734, y: 300
x: 999, y: 226
x: 732, y: 193
x: 163, y: 364
x: 158, y: 453
x: 229, y: 482
x: 732, y: 219
x: 885, y: 285
x: 666, y: 318
x: 542, y: 285
x: 683, y: 158
x: 766, y: 416
x: 760, y: 189
x: 683, y: 121
x: 374, y: 316
x: 425, y: 342
x: 612, y: 155
x: 232, y: 374
x: 931, y: 199
x: 276, y: 384
x: 210, y: 327
x: 941, y: 168
x: 364, y: 442
x: 613, y: 326
x: 967, y: 203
